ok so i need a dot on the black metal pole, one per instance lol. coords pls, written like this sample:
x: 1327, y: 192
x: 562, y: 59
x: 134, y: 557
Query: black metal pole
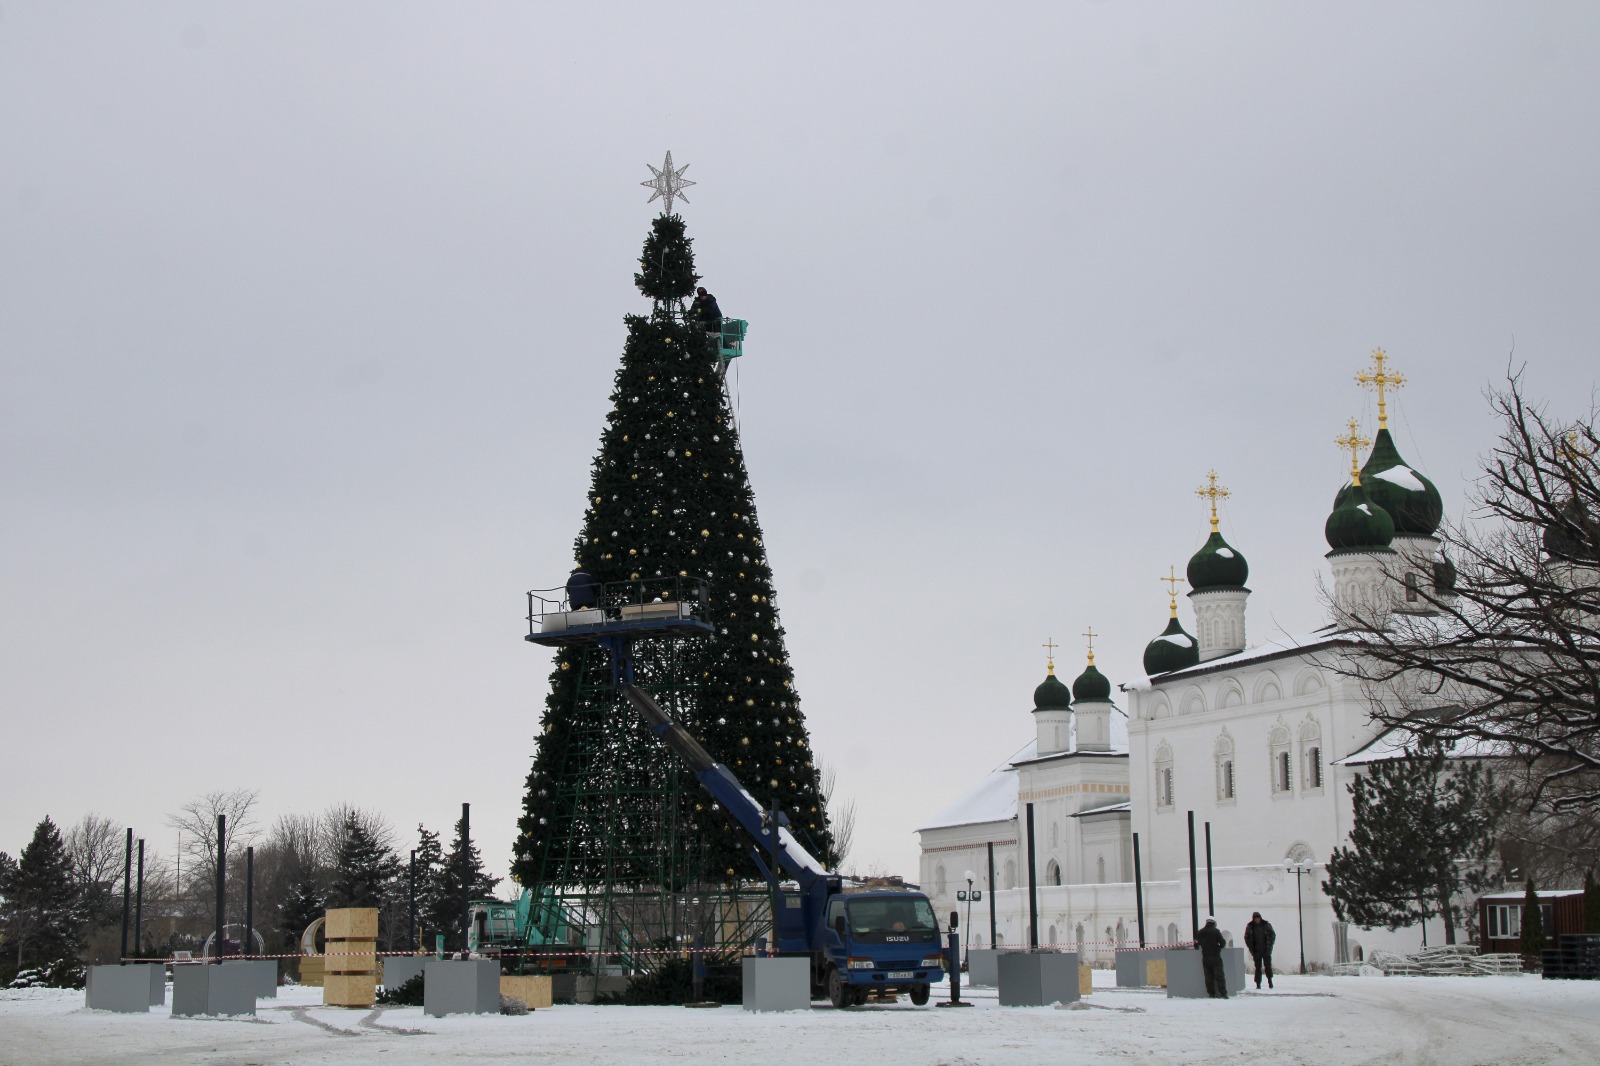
x: 992, y: 926
x: 1300, y: 903
x: 1194, y: 883
x: 1033, y: 891
x: 127, y: 895
x: 249, y: 900
x: 1211, y: 894
x: 466, y: 875
x: 1138, y: 888
x: 138, y: 905
x: 411, y: 911
x: 222, y: 866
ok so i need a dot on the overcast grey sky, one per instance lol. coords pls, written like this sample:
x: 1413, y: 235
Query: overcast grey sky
x: 309, y: 313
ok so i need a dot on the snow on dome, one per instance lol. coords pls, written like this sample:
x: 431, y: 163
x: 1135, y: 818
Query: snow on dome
x: 1182, y: 640
x: 1226, y: 553
x: 1403, y: 476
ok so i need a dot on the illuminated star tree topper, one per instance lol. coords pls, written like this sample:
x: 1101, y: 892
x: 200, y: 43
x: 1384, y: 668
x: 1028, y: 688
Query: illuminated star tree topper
x: 668, y: 184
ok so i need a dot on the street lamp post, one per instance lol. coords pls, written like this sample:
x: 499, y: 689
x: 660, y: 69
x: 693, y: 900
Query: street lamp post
x: 969, y: 896
x: 1299, y: 869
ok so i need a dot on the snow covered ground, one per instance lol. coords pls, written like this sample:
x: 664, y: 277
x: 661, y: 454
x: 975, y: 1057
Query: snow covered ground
x: 1317, y: 1021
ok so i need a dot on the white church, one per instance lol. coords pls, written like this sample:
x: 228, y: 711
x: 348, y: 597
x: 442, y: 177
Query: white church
x: 1258, y: 741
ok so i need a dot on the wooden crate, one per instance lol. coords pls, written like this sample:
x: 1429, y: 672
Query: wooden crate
x: 351, y: 923
x: 350, y: 967
x: 535, y: 991
x: 311, y: 970
x: 1155, y: 972
x: 350, y: 989
x: 1085, y: 980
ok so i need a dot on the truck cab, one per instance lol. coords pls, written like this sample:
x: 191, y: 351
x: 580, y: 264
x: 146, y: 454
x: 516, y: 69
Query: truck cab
x: 877, y: 941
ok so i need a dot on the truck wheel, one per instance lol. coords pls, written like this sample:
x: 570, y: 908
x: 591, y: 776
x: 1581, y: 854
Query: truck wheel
x: 919, y: 995
x: 839, y: 992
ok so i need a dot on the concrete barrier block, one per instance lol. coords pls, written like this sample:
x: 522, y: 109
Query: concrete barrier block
x: 1233, y: 973
x: 1186, y: 975
x: 1131, y: 971
x: 399, y: 969
x: 451, y: 986
x: 124, y: 989
x: 264, y: 972
x: 775, y: 984
x: 982, y: 969
x: 1038, y: 979
x: 209, y: 990
x: 158, y: 985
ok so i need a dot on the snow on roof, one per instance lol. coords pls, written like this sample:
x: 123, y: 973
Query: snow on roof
x: 1399, y: 743
x: 1110, y: 808
x: 994, y: 799
x: 1542, y: 893
x: 1286, y: 644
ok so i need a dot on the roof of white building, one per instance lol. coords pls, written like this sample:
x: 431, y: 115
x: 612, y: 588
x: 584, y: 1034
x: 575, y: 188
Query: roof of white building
x: 993, y: 799
x: 1110, y: 808
x: 1400, y: 743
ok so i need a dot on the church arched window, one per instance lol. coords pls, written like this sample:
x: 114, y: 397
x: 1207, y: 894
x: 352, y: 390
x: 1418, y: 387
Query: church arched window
x: 1282, y: 777
x: 938, y: 880
x: 1052, y: 873
x: 1055, y: 834
x: 1310, y: 755
x: 1225, y: 775
x: 1050, y: 936
x: 1011, y: 873
x: 1100, y: 869
x: 1077, y: 937
x: 1163, y: 777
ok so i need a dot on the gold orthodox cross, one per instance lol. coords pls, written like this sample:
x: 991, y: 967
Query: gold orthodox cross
x: 1353, y: 442
x: 1050, y: 647
x: 1171, y: 581
x: 1380, y: 379
x: 1213, y: 492
x: 1090, y: 633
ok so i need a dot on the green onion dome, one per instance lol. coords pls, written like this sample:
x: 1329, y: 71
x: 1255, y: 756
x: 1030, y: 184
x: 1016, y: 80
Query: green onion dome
x: 1573, y: 537
x: 1358, y: 524
x: 1444, y: 574
x: 1172, y: 650
x: 1412, y: 501
x: 1217, y: 566
x: 1091, y: 686
x: 1052, y: 695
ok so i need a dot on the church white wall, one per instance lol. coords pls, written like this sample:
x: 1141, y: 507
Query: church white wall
x: 1289, y: 705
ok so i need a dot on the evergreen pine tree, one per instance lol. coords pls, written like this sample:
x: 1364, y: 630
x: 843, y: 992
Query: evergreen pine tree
x: 463, y: 863
x: 670, y: 496
x: 363, y: 870
x: 1422, y: 835
x: 303, y: 905
x: 1533, y: 938
x: 434, y: 908
x: 1591, y: 903
x: 41, y: 916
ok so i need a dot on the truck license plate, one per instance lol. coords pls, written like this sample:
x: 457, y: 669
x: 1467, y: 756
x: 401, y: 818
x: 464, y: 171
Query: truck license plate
x: 900, y: 975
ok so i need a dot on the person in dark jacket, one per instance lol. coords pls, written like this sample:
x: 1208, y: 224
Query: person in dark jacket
x: 705, y: 311
x: 1259, y: 937
x: 1211, y: 943
x: 582, y: 589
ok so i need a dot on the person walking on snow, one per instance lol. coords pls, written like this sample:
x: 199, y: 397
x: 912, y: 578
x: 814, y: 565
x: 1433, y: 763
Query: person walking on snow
x: 1211, y: 943
x: 1259, y: 938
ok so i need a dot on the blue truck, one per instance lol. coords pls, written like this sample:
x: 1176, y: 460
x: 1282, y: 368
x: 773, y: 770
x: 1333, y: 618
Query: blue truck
x: 859, y: 943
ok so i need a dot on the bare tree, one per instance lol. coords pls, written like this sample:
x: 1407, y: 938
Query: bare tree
x: 1508, y: 661
x: 95, y: 847
x: 196, y: 821
x: 841, y: 815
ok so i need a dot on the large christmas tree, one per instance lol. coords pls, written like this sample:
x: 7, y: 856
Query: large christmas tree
x: 607, y: 807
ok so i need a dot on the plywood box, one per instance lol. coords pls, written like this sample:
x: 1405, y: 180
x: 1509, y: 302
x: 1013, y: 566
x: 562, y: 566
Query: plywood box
x: 1155, y: 972
x: 351, y: 956
x: 535, y: 991
x: 1085, y: 980
x: 311, y: 970
x: 349, y: 989
x: 351, y: 923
